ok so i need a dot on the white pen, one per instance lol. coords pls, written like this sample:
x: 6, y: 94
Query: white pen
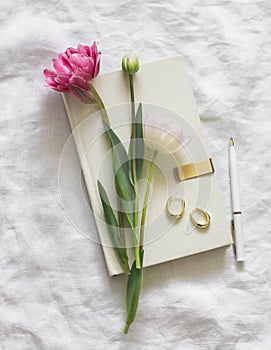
x: 236, y: 208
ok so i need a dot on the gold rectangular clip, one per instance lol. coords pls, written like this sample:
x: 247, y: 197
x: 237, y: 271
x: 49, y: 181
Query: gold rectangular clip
x: 192, y: 170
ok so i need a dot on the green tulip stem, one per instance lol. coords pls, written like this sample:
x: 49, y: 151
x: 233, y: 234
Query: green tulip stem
x: 100, y: 104
x: 146, y: 199
x: 133, y: 129
x: 136, y: 220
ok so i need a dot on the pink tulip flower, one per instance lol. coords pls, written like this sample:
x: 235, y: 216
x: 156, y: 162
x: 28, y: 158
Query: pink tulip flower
x: 74, y: 70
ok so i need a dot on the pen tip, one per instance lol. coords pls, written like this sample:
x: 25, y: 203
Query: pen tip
x: 231, y: 142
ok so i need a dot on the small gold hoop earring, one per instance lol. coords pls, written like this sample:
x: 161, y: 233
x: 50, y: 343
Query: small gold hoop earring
x: 205, y: 215
x: 168, y: 211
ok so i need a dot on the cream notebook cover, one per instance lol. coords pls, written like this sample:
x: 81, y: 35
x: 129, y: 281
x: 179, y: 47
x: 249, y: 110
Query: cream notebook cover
x: 164, y: 90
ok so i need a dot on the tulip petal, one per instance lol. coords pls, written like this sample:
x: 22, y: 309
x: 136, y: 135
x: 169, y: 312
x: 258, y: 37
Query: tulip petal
x: 94, y: 49
x: 50, y: 77
x: 70, y: 51
x: 66, y: 62
x: 79, y: 61
x: 83, y: 50
x: 97, y: 68
x: 163, y: 136
x: 79, y: 82
x: 83, y: 74
x: 49, y: 73
x: 60, y: 67
x: 62, y: 79
x: 91, y: 67
x: 62, y: 88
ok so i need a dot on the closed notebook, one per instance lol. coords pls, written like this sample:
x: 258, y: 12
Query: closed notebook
x: 164, y: 90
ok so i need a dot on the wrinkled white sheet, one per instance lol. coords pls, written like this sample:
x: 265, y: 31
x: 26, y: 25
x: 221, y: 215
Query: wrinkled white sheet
x: 55, y: 290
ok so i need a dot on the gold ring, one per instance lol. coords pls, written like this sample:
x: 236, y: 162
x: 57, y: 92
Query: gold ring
x: 169, y: 213
x: 205, y: 215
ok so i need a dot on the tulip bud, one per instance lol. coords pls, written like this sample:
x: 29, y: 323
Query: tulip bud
x: 130, y: 64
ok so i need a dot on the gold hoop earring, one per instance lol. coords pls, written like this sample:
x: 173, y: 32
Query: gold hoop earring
x: 205, y: 215
x: 168, y: 211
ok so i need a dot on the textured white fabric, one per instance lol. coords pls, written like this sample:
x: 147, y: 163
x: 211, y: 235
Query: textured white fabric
x: 55, y: 290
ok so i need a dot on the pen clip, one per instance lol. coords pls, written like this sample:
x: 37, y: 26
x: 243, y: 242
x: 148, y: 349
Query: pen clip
x: 233, y: 236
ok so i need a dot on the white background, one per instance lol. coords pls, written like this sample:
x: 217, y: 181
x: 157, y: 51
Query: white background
x: 55, y: 290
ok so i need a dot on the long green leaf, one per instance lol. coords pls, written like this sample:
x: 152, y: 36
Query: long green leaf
x: 113, y: 228
x: 123, y: 184
x: 133, y: 290
x: 139, y: 144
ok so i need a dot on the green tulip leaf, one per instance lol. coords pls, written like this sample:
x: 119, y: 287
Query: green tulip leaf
x: 124, y: 187
x: 113, y: 228
x: 139, y: 145
x: 133, y: 290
